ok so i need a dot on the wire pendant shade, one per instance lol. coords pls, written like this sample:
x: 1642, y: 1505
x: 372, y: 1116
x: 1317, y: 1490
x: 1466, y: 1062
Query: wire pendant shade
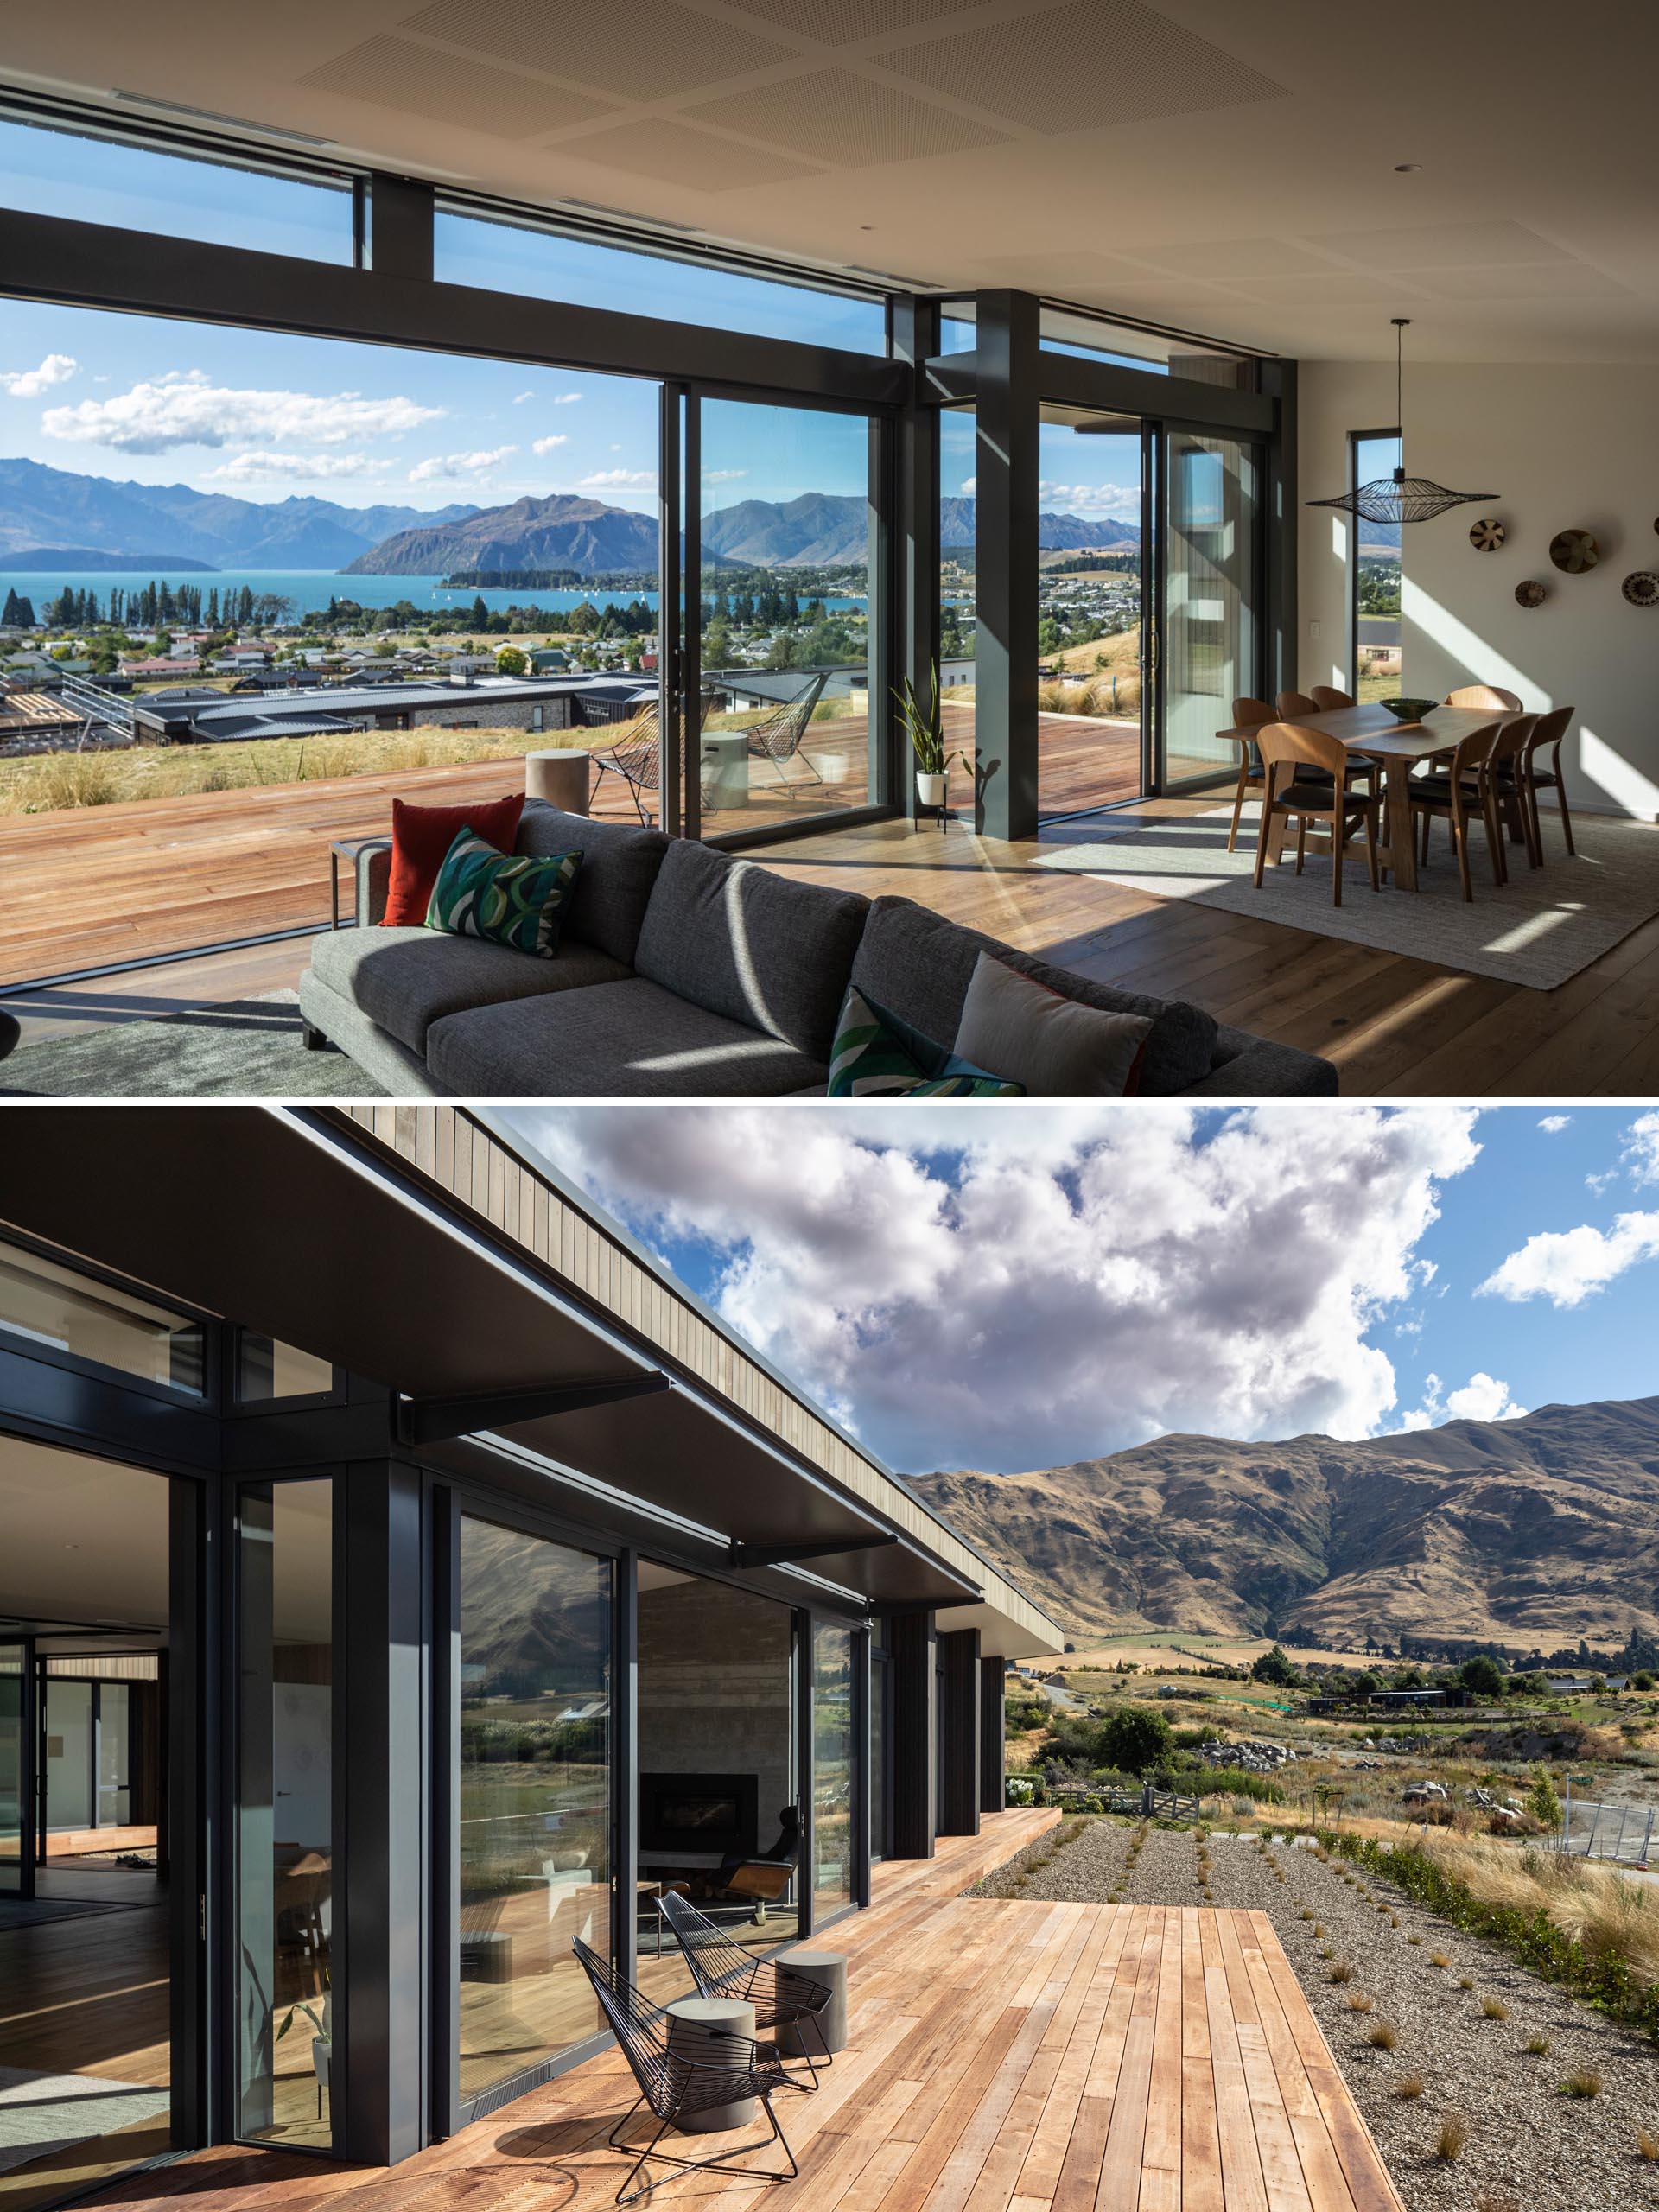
x: 1401, y: 498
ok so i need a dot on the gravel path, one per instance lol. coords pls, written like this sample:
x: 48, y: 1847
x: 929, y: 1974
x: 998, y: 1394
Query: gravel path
x: 1530, y: 2147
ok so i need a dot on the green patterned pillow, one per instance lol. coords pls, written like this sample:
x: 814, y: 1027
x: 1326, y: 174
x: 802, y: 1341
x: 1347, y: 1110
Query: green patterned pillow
x: 878, y: 1056
x: 501, y: 897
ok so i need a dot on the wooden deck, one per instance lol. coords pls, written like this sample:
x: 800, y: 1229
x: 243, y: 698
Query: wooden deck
x: 1006, y: 2057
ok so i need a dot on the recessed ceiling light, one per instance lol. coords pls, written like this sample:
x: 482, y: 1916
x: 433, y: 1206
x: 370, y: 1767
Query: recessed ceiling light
x: 1406, y: 168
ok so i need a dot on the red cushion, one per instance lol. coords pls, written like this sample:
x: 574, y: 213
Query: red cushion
x: 421, y: 836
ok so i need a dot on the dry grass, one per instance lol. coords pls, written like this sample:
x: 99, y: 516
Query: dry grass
x: 1359, y: 2002
x: 50, y: 781
x: 1647, y: 2146
x: 1453, y: 2138
x: 1538, y: 2046
x: 1583, y: 2082
x: 1382, y: 2036
x: 1342, y: 1971
x: 1608, y: 1915
x: 1410, y: 2086
x: 1494, y: 2008
x: 1092, y: 696
x: 1438, y: 1959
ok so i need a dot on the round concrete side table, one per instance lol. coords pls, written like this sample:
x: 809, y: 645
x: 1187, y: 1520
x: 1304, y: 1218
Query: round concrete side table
x: 560, y: 777
x: 10, y: 1030
x: 829, y: 1969
x: 699, y: 2029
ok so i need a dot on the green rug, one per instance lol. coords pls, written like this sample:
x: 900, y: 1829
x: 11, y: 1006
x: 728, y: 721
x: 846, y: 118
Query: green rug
x: 247, y: 1048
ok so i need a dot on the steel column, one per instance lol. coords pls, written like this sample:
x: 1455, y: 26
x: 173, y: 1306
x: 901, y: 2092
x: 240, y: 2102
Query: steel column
x: 1005, y: 565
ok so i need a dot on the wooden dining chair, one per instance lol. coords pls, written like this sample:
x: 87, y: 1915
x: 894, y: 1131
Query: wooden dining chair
x: 1548, y: 735
x: 1307, y: 775
x: 1482, y: 695
x: 1459, y: 794
x: 1248, y: 715
x: 1292, y: 703
x: 1328, y: 699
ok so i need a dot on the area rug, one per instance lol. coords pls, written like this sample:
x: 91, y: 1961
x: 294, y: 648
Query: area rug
x: 37, y: 1912
x: 247, y: 1048
x: 40, y: 2114
x: 1538, y: 930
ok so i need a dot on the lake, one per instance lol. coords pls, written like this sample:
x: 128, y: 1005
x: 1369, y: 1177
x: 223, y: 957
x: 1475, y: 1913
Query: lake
x: 312, y: 588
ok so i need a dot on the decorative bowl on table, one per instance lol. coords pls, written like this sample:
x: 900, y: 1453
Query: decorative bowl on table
x: 1409, y: 710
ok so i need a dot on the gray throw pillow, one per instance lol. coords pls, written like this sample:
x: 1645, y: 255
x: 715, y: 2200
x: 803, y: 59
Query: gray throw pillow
x: 1057, y: 1047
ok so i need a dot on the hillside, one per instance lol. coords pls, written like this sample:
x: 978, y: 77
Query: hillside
x: 47, y: 507
x: 562, y: 531
x: 1519, y: 1531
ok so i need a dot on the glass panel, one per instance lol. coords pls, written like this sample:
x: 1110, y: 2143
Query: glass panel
x: 789, y: 571
x: 1379, y: 636
x: 266, y: 1369
x: 878, y: 1757
x: 535, y: 1796
x: 11, y: 1768
x: 719, y: 1810
x: 1088, y: 602
x: 69, y: 1756
x: 113, y: 1328
x: 501, y: 256
x: 832, y: 1769
x: 1209, y: 647
x: 114, y: 1755
x: 284, y: 1818
x: 958, y: 633
x: 50, y: 171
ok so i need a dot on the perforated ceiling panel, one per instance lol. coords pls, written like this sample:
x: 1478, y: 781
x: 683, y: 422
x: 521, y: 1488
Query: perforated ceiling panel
x: 1061, y: 274
x: 1085, y: 66
x: 847, y: 120
x: 1554, y: 280
x: 678, y: 154
x: 1232, y: 258
x: 1443, y: 245
x: 640, y: 49
x: 839, y: 23
x: 395, y: 73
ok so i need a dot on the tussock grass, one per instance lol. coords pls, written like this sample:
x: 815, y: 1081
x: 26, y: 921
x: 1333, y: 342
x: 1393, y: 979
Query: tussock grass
x: 1607, y: 1915
x: 1584, y: 2082
x: 1410, y: 2086
x: 1342, y: 1971
x: 1453, y: 2138
x: 1494, y: 2008
x: 1384, y: 2037
x: 1538, y: 2046
x: 1647, y: 2146
x: 1438, y: 1959
x: 1359, y: 2002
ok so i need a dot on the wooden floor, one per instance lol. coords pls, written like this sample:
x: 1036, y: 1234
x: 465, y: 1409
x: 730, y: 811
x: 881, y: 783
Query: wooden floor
x: 1394, y: 1026
x: 1005, y: 2057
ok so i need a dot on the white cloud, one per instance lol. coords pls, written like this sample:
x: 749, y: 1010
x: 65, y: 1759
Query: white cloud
x: 1553, y: 1124
x: 186, y: 408
x: 439, y: 466
x: 1568, y: 1266
x: 1054, y: 1281
x: 520, y: 398
x: 620, y: 479
x: 29, y: 384
x: 1482, y: 1397
x: 566, y: 399
x: 1112, y: 499
x: 1639, y: 1154
x: 723, y: 475
x: 265, y: 467
x: 970, y: 485
x: 550, y: 444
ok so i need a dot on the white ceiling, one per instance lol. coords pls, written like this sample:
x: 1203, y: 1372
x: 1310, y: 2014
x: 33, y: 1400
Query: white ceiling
x: 1224, y: 167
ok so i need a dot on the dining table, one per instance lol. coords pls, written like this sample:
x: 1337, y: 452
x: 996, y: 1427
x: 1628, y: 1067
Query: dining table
x: 1371, y: 733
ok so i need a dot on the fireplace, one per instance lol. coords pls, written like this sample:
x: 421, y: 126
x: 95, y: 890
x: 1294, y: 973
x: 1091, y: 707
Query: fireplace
x: 699, y: 1812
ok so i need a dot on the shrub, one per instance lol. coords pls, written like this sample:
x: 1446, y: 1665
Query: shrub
x: 1135, y: 1739
x: 1453, y: 2137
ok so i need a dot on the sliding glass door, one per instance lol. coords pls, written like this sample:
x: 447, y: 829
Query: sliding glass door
x: 16, y: 1859
x: 782, y: 695
x: 1208, y: 532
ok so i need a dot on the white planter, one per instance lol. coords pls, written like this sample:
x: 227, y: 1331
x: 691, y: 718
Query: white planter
x: 320, y: 2051
x: 929, y: 790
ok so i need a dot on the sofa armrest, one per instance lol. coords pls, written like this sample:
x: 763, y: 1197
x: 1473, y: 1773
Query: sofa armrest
x: 373, y: 868
x: 1250, y: 1067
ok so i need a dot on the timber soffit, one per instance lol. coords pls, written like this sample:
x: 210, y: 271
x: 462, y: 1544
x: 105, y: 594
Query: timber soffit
x: 477, y: 1159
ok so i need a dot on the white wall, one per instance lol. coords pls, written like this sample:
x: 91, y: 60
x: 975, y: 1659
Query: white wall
x: 1566, y: 447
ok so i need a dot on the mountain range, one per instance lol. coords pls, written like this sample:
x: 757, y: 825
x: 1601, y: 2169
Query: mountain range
x: 1525, y: 1532
x: 45, y: 510
x: 41, y: 508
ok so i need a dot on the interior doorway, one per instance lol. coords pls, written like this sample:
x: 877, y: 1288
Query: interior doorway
x: 86, y: 2030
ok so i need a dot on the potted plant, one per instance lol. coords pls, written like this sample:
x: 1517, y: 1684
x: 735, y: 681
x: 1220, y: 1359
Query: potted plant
x: 323, y: 2039
x: 925, y: 730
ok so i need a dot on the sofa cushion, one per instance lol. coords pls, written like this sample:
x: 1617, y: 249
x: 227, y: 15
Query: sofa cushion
x: 517, y: 899
x: 422, y: 836
x: 878, y: 1056
x: 1053, y: 1046
x: 623, y: 1040
x: 406, y: 979
x: 920, y: 965
x: 619, y: 862
x: 738, y: 939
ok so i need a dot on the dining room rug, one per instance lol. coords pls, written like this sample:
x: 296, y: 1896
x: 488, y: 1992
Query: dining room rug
x: 245, y: 1048
x: 1538, y: 930
x: 44, y: 2114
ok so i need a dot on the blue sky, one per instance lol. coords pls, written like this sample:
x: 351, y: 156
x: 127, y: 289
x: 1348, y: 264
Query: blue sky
x: 265, y: 416
x: 1098, y: 477
x: 1053, y: 1282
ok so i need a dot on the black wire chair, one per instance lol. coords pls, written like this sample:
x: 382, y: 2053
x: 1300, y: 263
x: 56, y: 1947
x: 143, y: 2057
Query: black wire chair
x: 675, y: 2088
x: 638, y: 759
x: 722, y: 1967
x: 778, y: 738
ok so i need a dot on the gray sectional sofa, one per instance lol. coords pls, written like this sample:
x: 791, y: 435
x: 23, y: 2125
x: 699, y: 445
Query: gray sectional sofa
x: 685, y: 972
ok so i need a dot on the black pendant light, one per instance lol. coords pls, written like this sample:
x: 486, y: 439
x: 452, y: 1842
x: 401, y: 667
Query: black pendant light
x: 1401, y: 498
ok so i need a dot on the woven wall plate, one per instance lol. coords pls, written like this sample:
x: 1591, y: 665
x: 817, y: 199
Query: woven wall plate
x: 1487, y: 537
x: 1641, y: 588
x: 1574, y: 551
x: 1531, y: 594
